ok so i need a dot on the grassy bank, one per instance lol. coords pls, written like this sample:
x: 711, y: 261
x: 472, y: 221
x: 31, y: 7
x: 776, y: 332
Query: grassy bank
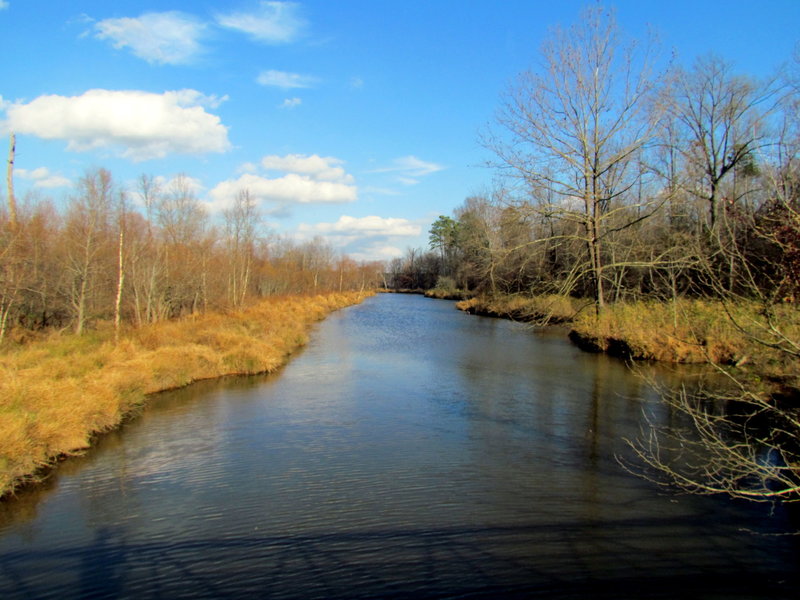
x: 695, y: 331
x: 56, y: 393
x: 684, y: 331
x: 547, y: 308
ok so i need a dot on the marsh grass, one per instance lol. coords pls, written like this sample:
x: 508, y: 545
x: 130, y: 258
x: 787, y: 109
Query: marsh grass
x: 550, y: 308
x: 699, y: 331
x: 57, y: 393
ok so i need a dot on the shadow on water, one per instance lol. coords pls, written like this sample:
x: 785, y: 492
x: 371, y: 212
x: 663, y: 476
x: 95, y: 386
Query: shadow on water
x: 582, y: 560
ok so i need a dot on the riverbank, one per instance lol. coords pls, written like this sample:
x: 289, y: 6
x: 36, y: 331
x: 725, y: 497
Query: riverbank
x: 57, y: 393
x: 546, y: 309
x: 684, y: 331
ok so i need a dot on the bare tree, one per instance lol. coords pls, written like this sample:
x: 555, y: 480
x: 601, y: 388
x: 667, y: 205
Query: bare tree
x: 576, y: 127
x: 10, y: 264
x: 87, y: 226
x: 11, y: 274
x: 722, y: 125
x: 179, y: 213
x: 12, y: 201
x: 121, y: 250
x: 146, y: 256
x: 183, y: 222
x: 241, y: 222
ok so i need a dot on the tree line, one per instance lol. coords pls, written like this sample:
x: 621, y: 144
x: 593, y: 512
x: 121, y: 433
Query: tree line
x: 148, y: 255
x: 622, y: 178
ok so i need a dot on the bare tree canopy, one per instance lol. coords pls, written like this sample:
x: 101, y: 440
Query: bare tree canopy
x: 575, y: 129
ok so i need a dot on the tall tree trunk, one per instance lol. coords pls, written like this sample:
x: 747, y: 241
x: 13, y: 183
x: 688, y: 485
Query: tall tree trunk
x: 120, y: 281
x: 245, y: 280
x: 84, y: 273
x: 595, y: 261
x: 12, y: 201
x: 81, y: 315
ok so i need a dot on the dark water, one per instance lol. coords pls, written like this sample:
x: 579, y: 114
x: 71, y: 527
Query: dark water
x: 411, y: 451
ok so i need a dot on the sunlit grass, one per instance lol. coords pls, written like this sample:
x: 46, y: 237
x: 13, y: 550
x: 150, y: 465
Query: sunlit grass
x: 549, y: 308
x: 698, y: 331
x: 56, y: 393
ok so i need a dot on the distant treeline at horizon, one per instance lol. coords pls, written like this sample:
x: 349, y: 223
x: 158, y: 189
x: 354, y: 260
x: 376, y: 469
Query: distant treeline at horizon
x: 101, y: 258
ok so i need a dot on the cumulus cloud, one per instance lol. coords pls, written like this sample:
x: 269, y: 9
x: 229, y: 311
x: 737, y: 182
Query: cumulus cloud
x: 377, y: 251
x: 363, y: 238
x: 284, y: 80
x: 163, y: 38
x: 135, y: 124
x: 371, y: 226
x: 325, y: 168
x: 271, y: 23
x: 43, y: 178
x: 303, y: 180
x: 288, y: 189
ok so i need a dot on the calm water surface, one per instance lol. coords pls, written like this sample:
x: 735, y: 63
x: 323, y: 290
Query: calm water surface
x: 410, y: 451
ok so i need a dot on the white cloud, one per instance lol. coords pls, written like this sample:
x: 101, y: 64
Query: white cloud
x: 187, y: 97
x: 4, y: 5
x: 371, y: 226
x: 305, y: 180
x: 286, y: 81
x: 413, y: 166
x: 291, y: 103
x: 325, y: 168
x: 271, y: 23
x: 43, y: 178
x: 135, y: 124
x: 409, y: 168
x: 378, y: 251
x: 288, y: 189
x: 362, y: 238
x: 248, y: 167
x: 163, y: 38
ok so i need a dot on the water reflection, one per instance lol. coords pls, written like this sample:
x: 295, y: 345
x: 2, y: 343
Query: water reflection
x: 409, y: 451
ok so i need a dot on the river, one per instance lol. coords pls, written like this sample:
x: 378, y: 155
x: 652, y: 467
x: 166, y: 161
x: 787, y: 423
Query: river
x: 409, y: 451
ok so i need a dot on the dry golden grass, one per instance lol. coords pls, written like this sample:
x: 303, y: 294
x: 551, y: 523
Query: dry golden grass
x: 550, y: 308
x: 694, y: 331
x: 56, y: 393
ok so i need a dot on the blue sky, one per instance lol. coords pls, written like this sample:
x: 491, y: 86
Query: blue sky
x: 354, y: 120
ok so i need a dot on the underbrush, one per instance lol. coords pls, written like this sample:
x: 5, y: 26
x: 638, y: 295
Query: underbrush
x: 446, y: 289
x: 56, y: 393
